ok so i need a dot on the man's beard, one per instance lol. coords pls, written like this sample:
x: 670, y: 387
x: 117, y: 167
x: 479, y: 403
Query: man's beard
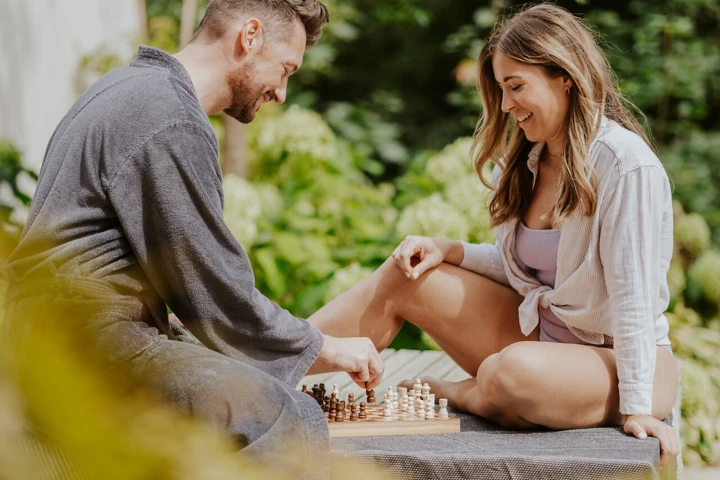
x: 245, y: 94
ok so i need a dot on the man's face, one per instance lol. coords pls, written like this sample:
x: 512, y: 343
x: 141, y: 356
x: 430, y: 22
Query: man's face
x: 264, y: 74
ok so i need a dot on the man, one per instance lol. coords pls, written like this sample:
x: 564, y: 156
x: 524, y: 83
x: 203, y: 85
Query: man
x: 128, y: 208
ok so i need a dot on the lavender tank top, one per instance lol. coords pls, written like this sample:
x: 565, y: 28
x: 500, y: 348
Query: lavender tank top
x: 538, y: 251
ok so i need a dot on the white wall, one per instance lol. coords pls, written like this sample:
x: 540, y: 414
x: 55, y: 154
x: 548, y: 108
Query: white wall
x: 41, y: 45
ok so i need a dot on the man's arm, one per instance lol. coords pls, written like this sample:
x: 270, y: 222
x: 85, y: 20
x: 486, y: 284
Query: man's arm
x: 168, y: 198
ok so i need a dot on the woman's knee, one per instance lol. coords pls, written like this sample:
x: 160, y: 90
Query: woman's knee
x: 509, y: 377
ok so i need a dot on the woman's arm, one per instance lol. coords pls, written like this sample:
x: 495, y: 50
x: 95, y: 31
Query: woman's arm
x: 630, y: 251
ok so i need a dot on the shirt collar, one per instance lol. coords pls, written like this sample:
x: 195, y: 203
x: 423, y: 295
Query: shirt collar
x: 151, y: 56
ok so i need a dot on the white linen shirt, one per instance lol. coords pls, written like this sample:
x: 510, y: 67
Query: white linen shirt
x: 612, y: 266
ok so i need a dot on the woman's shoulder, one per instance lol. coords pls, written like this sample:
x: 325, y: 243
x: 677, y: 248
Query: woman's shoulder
x: 620, y: 150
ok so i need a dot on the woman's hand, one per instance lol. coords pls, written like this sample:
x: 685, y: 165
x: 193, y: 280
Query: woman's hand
x: 643, y: 425
x: 431, y: 252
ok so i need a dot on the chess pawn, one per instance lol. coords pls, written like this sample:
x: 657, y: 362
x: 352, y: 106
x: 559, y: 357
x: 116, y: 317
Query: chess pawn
x: 425, y: 389
x: 370, y: 396
x: 395, y: 402
x: 417, y: 387
x: 388, y: 410
x: 387, y: 402
x: 363, y: 413
x: 411, y: 409
x: 443, y: 413
x: 429, y: 410
x: 402, y: 391
x: 340, y: 416
x: 336, y: 391
x: 404, y: 404
x: 351, y: 398
x: 353, y: 413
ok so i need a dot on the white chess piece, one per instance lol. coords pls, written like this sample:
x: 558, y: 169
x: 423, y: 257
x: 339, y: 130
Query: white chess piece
x: 429, y: 410
x: 417, y: 388
x: 419, y: 408
x: 402, y: 391
x: 443, y: 408
x: 395, y: 402
x: 431, y: 397
x: 411, y: 409
x: 336, y: 391
x: 388, y: 411
x: 404, y: 404
x: 426, y: 389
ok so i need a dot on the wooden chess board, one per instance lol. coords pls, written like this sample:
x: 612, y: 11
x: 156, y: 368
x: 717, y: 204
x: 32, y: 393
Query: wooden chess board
x: 377, y: 424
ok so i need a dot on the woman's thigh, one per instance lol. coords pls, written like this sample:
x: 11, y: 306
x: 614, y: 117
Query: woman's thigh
x: 469, y: 316
x: 570, y: 386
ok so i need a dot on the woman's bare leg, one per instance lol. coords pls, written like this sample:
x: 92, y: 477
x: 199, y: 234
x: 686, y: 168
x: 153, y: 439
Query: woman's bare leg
x: 468, y: 315
x: 559, y: 386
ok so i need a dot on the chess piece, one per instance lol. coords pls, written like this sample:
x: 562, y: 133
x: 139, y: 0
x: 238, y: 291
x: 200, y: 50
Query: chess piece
x: 426, y: 389
x: 387, y: 402
x: 402, y: 391
x: 395, y: 402
x: 370, y: 396
x: 411, y: 409
x: 443, y: 408
x: 388, y: 411
x: 431, y: 397
x: 417, y: 387
x: 340, y: 416
x: 336, y: 391
x: 429, y: 410
x: 351, y: 398
x: 419, y: 408
x: 363, y: 413
x: 404, y: 403
x: 353, y: 413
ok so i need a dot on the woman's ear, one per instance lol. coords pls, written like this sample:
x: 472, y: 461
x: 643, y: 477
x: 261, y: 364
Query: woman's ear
x: 567, y: 84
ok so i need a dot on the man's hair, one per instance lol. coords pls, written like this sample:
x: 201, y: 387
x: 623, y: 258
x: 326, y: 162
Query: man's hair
x: 276, y: 15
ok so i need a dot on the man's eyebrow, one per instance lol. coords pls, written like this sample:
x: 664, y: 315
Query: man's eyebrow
x: 510, y: 77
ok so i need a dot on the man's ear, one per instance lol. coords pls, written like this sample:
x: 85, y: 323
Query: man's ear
x: 249, y: 40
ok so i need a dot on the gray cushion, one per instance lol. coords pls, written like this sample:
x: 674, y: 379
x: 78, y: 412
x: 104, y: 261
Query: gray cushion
x: 484, y: 450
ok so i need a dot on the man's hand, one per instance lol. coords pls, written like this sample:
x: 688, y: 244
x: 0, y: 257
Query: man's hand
x: 643, y: 425
x: 356, y: 355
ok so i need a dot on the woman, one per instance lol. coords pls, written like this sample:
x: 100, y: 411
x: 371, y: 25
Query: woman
x: 561, y: 321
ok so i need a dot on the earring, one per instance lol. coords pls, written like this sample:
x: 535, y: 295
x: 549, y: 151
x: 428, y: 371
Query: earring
x: 568, y: 90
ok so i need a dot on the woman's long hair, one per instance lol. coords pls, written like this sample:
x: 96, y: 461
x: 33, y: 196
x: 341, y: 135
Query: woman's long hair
x: 550, y: 37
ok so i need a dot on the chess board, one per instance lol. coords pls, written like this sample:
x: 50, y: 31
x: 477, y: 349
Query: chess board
x: 377, y: 424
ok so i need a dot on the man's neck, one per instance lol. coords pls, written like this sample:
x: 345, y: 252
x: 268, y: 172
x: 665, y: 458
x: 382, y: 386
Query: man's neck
x: 207, y: 67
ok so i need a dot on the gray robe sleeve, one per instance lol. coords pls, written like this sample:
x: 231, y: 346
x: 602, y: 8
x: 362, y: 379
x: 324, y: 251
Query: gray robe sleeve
x: 168, y: 198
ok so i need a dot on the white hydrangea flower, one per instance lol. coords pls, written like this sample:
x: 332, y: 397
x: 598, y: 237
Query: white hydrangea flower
x: 346, y: 278
x: 471, y: 198
x: 242, y: 209
x: 452, y: 163
x: 298, y: 132
x: 433, y: 216
x: 271, y: 200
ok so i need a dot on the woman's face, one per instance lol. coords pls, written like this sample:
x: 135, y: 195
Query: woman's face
x: 538, y: 103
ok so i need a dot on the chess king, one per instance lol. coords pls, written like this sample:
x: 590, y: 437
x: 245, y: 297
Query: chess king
x: 127, y: 218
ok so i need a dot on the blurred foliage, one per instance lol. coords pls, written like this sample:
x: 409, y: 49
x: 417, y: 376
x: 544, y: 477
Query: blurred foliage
x: 62, y: 415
